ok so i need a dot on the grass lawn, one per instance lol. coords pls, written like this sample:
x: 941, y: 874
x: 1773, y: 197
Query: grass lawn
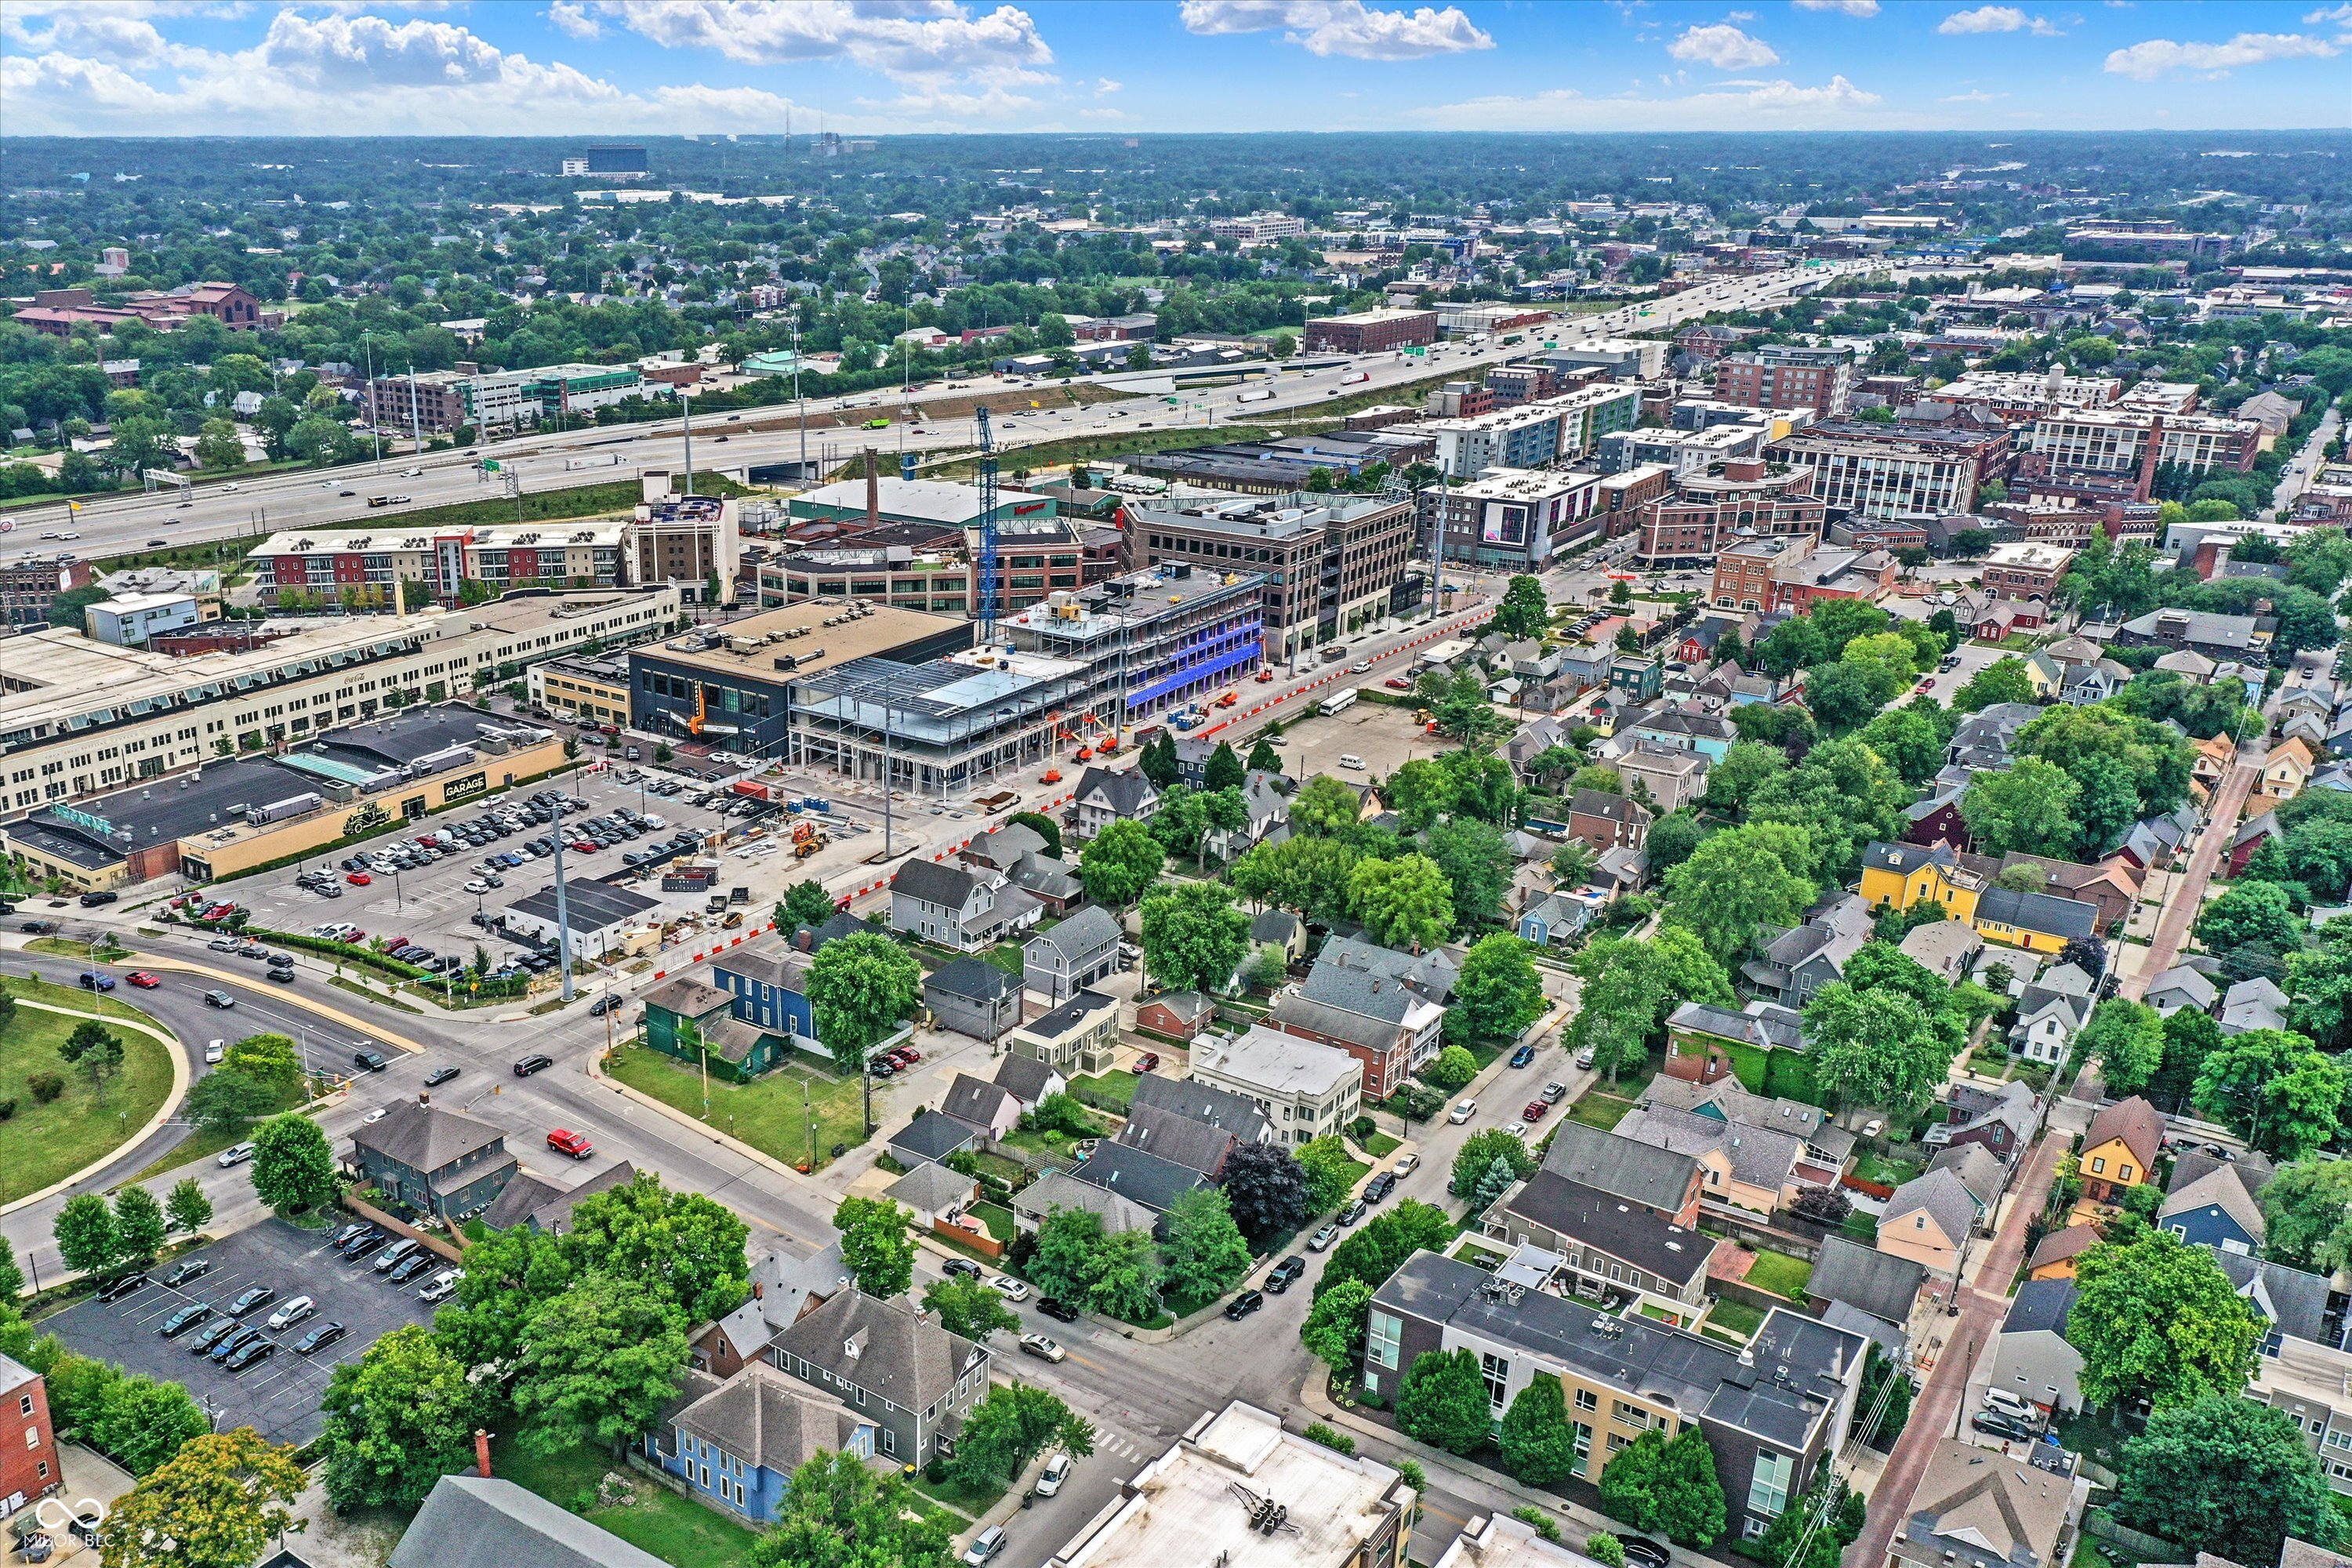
x: 767, y: 1112
x: 997, y: 1165
x: 1115, y: 1087
x: 74, y: 997
x: 1380, y: 1145
x: 1599, y: 1110
x: 44, y: 1143
x: 998, y: 1219
x: 1874, y: 1167
x: 1735, y: 1317
x: 1861, y: 1227
x: 968, y: 1501
x: 1781, y: 1274
x: 670, y: 1527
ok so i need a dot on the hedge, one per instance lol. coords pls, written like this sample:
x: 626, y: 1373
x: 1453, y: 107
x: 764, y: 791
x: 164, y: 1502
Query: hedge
x: 364, y: 957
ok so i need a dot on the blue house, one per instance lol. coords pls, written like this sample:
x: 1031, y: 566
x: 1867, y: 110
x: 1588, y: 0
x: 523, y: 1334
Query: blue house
x: 736, y: 1442
x: 769, y: 988
x: 2215, y: 1210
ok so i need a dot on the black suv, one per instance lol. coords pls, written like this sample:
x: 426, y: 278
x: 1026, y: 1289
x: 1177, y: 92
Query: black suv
x: 1060, y: 1311
x: 1279, y: 1278
x: 1379, y: 1186
x: 368, y: 1061
x: 531, y: 1064
x: 1242, y: 1305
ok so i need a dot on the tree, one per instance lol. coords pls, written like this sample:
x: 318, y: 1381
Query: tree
x: 1523, y: 611
x: 1478, y: 1153
x: 1450, y: 1069
x: 2251, y: 914
x: 1182, y: 822
x: 1329, y: 1171
x: 598, y: 1364
x: 2308, y: 1210
x: 1125, y: 1276
x: 1119, y: 863
x: 804, y: 904
x: 293, y: 1168
x: 2189, y: 1037
x: 1739, y: 879
x: 215, y: 1504
x: 1538, y: 1443
x: 2030, y: 809
x: 1335, y: 1327
x: 1475, y: 861
x: 1309, y: 875
x: 1157, y: 762
x: 225, y: 1100
x: 218, y: 445
x: 860, y: 988
x: 2274, y: 1089
x: 1044, y: 827
x: 1194, y: 936
x: 12, y: 1280
x: 2232, y: 1475
x: 2127, y: 1040
x: 84, y: 1230
x: 1011, y: 1427
x: 2004, y: 680
x: 1443, y: 1401
x: 1324, y: 805
x: 1889, y: 659
x: 274, y: 1061
x: 2155, y: 1319
x: 1674, y: 838
x: 840, y: 1512
x: 1223, y: 768
x: 398, y: 1420
x: 138, y: 1232
x: 1379, y: 1247
x: 1265, y: 1190
x: 1402, y: 903
x: 187, y: 1208
x: 1670, y: 1485
x: 1605, y: 1549
x: 1840, y: 696
x: 1205, y: 1252
x: 93, y: 1046
x: 1631, y: 985
x: 1878, y: 1047
x: 1498, y: 991
x: 1264, y: 758
x: 1068, y: 1243
x: 969, y: 1308
x: 1831, y: 1514
x: 875, y: 1245
x: 691, y: 1244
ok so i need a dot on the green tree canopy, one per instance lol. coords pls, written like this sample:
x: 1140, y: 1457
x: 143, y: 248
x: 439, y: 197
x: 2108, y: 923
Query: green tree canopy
x: 2232, y: 1475
x: 1739, y: 879
x: 860, y: 988
x: 1402, y: 903
x: 2273, y: 1088
x: 842, y: 1512
x: 1630, y: 987
x: 397, y: 1419
x: 2308, y: 1210
x: 1443, y: 1401
x: 2155, y: 1319
x: 876, y: 1244
x: 1193, y: 936
x: 598, y: 1364
x: 1119, y: 863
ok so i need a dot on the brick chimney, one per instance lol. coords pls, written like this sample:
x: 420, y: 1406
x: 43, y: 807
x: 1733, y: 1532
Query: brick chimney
x: 481, y: 1452
x: 759, y: 1291
x: 1743, y: 469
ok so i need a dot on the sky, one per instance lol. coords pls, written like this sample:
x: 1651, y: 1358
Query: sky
x: 539, y: 68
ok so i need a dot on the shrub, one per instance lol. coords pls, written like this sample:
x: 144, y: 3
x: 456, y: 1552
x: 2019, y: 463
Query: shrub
x: 46, y: 1087
x: 1539, y: 1521
x: 7, y: 1108
x: 1339, y: 1442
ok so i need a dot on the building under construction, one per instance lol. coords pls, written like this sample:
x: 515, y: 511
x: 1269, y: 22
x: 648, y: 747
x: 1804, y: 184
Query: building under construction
x: 1148, y: 644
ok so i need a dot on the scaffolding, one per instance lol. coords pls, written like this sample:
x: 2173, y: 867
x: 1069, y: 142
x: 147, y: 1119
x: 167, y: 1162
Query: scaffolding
x: 929, y: 729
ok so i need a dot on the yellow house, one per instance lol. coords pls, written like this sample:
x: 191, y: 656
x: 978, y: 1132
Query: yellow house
x: 1899, y: 876
x: 2120, y: 1149
x: 2287, y: 769
x: 1927, y: 1221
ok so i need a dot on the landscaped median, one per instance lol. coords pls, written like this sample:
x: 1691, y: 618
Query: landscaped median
x: 62, y: 1114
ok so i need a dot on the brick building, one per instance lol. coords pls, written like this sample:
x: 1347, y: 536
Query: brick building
x: 1895, y: 472
x: 27, y: 588
x: 1329, y: 562
x: 1704, y: 513
x: 1370, y: 332
x: 1782, y: 376
x: 29, y: 1445
x: 2025, y: 572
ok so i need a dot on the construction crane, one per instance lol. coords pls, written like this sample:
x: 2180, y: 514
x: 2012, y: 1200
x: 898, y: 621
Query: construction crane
x: 986, y: 612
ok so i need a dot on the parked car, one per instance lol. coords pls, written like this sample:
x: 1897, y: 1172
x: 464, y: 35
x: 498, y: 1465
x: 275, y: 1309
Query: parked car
x: 1148, y: 1062
x: 1553, y: 1093
x: 1379, y: 1186
x: 293, y: 1313
x: 985, y: 1546
x: 260, y: 1295
x: 1057, y: 1470
x: 115, y: 1289
x: 1041, y: 1347
x: 1242, y: 1305
x: 366, y: 1243
x: 236, y: 1154
x: 389, y: 1258
x: 320, y: 1338
x: 563, y: 1141
x: 1524, y: 1057
x: 213, y: 1332
x: 1535, y: 1111
x: 1279, y: 1278
x: 963, y: 1267
x: 1464, y: 1109
x: 1993, y: 1423
x: 1323, y: 1239
x: 193, y: 1269
x: 186, y: 1318
x: 1060, y: 1311
x: 252, y: 1351
x: 241, y: 1336
x: 442, y: 1285
x: 410, y: 1266
x: 1012, y: 1289
x: 1644, y: 1553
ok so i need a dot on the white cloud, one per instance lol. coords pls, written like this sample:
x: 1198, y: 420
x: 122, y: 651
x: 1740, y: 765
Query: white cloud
x: 1998, y: 19
x: 1782, y: 104
x: 1851, y: 7
x: 1348, y: 27
x: 1723, y: 47
x: 115, y: 30
x: 1106, y: 85
x: 1980, y: 96
x: 2339, y: 15
x: 573, y: 18
x: 2157, y: 56
x: 913, y: 38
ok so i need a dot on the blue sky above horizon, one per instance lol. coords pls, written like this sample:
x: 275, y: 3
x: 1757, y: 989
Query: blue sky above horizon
x: 877, y: 67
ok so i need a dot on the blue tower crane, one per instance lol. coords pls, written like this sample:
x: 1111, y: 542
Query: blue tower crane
x: 986, y: 612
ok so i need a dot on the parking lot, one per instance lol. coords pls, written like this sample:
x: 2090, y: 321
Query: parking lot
x: 278, y: 1395
x: 1385, y: 738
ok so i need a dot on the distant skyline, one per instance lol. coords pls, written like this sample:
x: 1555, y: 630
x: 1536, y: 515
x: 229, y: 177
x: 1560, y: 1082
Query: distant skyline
x: 588, y: 68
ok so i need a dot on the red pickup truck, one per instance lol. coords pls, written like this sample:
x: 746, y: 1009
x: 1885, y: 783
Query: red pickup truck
x: 576, y: 1145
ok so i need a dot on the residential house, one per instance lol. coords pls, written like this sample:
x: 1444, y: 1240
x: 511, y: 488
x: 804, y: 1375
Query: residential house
x: 2191, y: 1165
x: 1868, y: 1291
x: 1029, y: 1078
x: 1609, y: 1250
x: 2003, y: 1119
x: 1674, y: 777
x: 2074, y: 670
x: 933, y: 1135
x: 2295, y: 1305
x: 933, y: 1192
x: 2216, y: 637
x: 1704, y: 1042
x: 1532, y: 739
x: 1176, y: 1015
x: 1052, y: 883
x: 1684, y: 730
x: 2113, y: 887
x: 1205, y: 1103
x: 2213, y: 758
x: 1827, y: 1148
x: 1280, y: 929
x: 2035, y: 922
x: 1667, y: 1184
x: 1142, y: 1177
x: 426, y: 1159
x: 2154, y: 841
x: 2054, y: 1010
x: 985, y: 1105
x: 1635, y: 679
x: 1060, y: 1190
x: 1104, y: 796
x: 1305, y: 1088
x: 2181, y: 986
x: 1747, y: 1167
x: 1796, y: 962
x: 29, y: 1469
x: 1608, y: 821
x: 1622, y: 1376
x: 2054, y: 1258
x: 736, y: 1446
x: 974, y: 997
x: 1946, y: 949
x: 1195, y: 1145
x: 891, y: 1364
x: 1079, y: 1038
x: 1369, y: 1006
x: 2256, y: 1004
x: 1078, y: 953
x: 785, y: 1287
x: 1978, y: 1508
x: 965, y: 908
x: 768, y: 984
x: 2286, y: 770
x: 1927, y: 1221
x: 1978, y: 1172
x: 2216, y: 1211
x: 2120, y: 1149
x: 1000, y: 848
x: 2031, y: 1357
x: 1265, y: 811
x: 1935, y: 817
x: 695, y: 1022
x: 1897, y: 875
x: 2255, y: 832
x: 485, y: 1522
x: 1986, y: 739
x: 528, y: 1200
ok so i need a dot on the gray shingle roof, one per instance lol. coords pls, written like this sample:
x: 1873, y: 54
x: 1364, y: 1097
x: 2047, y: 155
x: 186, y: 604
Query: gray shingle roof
x: 935, y: 882
x: 1940, y: 1193
x: 549, y: 1207
x: 1878, y: 1283
x: 1125, y: 791
x: 1758, y: 1156
x: 1203, y: 1102
x: 1195, y: 1145
x: 1084, y: 935
x: 933, y: 1135
x: 1024, y: 1078
x: 931, y: 1187
x: 688, y: 997
x: 2040, y: 1307
x: 2291, y: 1300
x: 769, y: 1420
x: 972, y: 1099
x: 1432, y: 973
x: 1628, y: 1231
x: 887, y: 1348
x: 974, y: 979
x: 1637, y: 1172
x: 2220, y: 1189
x: 1059, y: 1189
x: 426, y: 1137
x: 1978, y: 1172
x: 2037, y: 912
x: 481, y: 1522
x: 1140, y: 1176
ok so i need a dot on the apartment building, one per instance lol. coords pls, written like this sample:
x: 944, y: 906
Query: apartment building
x: 1514, y: 518
x: 2025, y: 571
x: 694, y: 542
x: 1894, y: 472
x: 1370, y: 332
x: 1258, y: 228
x: 360, y: 566
x: 2119, y: 451
x: 1685, y: 451
x: 1770, y: 1415
x: 1533, y: 435
x: 923, y: 566
x: 1626, y: 359
x: 27, y: 588
x: 1795, y: 572
x: 1706, y: 512
x: 1326, y: 563
x: 2019, y: 396
x: 1780, y: 375
x: 82, y: 716
x: 1304, y: 1088
x: 594, y: 690
x: 1514, y: 385
x: 433, y: 402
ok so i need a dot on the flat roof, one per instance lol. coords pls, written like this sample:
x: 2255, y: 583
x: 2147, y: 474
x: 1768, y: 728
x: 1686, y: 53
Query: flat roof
x: 101, y: 832
x: 398, y: 739
x: 750, y: 647
x: 932, y: 500
x: 390, y: 536
x: 589, y: 905
x: 1275, y: 1063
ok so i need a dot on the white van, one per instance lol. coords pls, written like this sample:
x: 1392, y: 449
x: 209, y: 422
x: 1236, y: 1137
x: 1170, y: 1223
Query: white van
x: 2003, y: 1402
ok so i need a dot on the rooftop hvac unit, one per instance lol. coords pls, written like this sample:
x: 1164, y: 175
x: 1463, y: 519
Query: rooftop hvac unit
x: 276, y: 810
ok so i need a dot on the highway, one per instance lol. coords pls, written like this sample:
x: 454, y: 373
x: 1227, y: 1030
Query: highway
x: 546, y: 459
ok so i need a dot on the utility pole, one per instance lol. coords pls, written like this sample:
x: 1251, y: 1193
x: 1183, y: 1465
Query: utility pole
x: 375, y: 410
x: 686, y: 412
x: 562, y: 907
x: 415, y: 420
x: 799, y: 403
